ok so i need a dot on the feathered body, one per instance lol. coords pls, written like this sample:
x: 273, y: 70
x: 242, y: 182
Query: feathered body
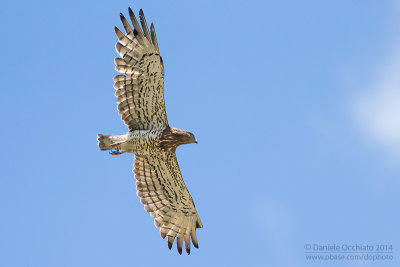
x: 145, y: 141
x: 140, y: 96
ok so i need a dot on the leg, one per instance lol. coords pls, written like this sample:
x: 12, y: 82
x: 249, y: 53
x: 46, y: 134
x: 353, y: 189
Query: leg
x: 117, y: 152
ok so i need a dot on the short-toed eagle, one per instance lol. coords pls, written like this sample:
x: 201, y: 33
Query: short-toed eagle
x: 140, y: 96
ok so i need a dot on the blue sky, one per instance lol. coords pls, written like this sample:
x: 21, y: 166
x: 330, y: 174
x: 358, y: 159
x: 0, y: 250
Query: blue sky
x: 295, y: 105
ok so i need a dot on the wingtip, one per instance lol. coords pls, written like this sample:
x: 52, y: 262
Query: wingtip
x: 141, y: 12
x: 163, y: 235
x: 170, y: 241
x: 179, y: 242
x: 199, y: 224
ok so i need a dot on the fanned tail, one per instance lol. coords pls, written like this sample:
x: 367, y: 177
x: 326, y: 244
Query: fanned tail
x: 107, y: 142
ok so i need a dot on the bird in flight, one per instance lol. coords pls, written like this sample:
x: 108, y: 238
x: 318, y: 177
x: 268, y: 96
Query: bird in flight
x: 140, y: 97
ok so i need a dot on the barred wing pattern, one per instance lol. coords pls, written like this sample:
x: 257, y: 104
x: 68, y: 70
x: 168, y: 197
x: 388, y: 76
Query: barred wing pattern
x: 139, y: 92
x: 162, y: 191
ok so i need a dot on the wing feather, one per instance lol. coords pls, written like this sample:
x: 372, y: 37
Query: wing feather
x: 179, y: 241
x: 139, y: 36
x: 144, y: 25
x: 127, y: 27
x: 164, y: 194
x: 127, y: 42
x: 154, y: 37
x: 140, y: 92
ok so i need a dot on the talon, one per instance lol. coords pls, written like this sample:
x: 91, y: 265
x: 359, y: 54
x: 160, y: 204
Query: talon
x: 116, y: 152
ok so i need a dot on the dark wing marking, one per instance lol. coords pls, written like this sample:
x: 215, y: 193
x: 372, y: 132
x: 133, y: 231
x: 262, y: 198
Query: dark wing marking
x: 162, y: 191
x: 140, y: 90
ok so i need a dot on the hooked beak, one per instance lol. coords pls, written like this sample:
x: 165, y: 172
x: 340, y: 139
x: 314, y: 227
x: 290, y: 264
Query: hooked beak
x: 195, y: 141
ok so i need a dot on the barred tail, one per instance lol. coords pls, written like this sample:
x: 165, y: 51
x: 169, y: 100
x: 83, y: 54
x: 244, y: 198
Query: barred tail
x: 107, y: 142
x: 104, y: 141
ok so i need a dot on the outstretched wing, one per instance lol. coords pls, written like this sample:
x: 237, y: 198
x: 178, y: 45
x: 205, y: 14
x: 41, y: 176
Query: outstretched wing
x: 162, y: 191
x: 140, y: 92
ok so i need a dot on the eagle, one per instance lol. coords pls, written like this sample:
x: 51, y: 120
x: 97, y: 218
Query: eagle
x: 140, y: 97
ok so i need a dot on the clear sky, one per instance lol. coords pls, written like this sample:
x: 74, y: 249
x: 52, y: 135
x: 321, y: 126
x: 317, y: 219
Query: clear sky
x: 295, y: 104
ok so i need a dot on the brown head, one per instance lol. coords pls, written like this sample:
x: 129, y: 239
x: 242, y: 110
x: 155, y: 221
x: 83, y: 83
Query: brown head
x: 183, y: 137
x: 173, y: 137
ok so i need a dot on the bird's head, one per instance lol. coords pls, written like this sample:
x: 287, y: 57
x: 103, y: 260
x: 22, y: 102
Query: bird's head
x: 184, y: 137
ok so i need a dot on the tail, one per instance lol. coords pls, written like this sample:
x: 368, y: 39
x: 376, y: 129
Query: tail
x: 108, y: 142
